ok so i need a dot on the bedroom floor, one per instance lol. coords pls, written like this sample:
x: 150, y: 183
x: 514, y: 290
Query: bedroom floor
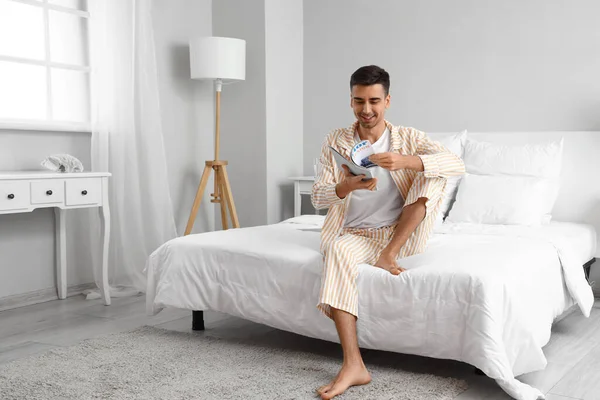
x: 573, y: 370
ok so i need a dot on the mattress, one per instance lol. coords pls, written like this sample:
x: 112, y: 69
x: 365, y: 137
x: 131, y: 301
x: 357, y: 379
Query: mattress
x: 485, y: 295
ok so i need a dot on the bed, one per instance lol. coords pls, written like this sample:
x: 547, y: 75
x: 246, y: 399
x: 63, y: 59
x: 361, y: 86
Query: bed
x: 486, y: 295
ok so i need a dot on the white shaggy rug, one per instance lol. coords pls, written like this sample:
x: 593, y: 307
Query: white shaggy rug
x: 152, y: 363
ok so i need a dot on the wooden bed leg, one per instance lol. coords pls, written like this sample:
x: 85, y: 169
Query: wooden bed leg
x: 197, y: 320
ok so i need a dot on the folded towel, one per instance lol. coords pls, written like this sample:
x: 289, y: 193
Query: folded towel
x: 62, y: 163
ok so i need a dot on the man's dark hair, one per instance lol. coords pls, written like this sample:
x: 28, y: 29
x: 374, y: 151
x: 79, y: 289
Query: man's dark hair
x: 371, y: 75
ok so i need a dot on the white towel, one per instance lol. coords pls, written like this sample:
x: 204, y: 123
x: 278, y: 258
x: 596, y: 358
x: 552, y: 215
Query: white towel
x: 62, y: 163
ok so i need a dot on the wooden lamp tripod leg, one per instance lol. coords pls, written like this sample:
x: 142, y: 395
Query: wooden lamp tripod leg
x: 198, y: 199
x: 224, y: 179
x: 221, y: 192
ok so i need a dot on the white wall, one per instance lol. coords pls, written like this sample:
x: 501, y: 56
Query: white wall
x: 284, y: 96
x: 481, y: 65
x: 187, y: 106
x: 27, y: 240
x: 243, y: 110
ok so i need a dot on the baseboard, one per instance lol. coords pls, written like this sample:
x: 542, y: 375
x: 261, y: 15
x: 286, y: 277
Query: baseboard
x: 40, y: 296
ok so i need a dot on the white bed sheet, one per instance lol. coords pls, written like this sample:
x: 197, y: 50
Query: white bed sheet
x: 485, y: 295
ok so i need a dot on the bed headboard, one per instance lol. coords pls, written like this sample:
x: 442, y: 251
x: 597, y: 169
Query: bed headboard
x: 579, y: 197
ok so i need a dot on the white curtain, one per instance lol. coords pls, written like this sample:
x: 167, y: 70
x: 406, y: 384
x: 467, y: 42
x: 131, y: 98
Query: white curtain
x: 127, y: 139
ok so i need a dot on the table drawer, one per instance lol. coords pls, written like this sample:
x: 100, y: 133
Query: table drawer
x: 48, y: 191
x: 83, y: 191
x: 14, y: 195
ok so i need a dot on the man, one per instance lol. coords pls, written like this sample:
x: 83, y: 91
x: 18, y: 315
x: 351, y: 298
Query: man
x: 373, y: 221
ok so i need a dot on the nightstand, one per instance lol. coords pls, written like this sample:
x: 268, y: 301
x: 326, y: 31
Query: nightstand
x: 302, y: 185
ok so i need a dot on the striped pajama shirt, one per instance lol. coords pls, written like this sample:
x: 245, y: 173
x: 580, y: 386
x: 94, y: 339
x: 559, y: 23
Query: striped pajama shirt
x: 345, y: 248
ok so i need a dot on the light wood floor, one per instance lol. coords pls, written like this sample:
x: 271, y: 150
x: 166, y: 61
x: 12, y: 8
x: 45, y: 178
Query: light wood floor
x: 573, y: 353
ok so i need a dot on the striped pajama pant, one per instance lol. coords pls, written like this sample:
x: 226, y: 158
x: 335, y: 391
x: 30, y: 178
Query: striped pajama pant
x: 353, y: 247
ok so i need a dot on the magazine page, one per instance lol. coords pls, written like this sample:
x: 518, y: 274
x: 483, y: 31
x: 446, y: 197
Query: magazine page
x: 360, y: 154
x: 354, y: 169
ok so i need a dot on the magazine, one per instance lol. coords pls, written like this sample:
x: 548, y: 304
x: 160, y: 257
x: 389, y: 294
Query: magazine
x: 359, y: 163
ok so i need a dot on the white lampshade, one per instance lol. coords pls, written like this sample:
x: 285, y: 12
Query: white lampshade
x: 218, y: 58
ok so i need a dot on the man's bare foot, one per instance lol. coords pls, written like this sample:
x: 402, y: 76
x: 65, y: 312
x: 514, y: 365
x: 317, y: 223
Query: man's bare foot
x: 329, y: 385
x: 349, y: 375
x: 389, y: 264
x: 392, y: 270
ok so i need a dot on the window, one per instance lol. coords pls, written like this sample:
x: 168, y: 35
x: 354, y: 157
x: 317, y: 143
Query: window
x: 44, y: 65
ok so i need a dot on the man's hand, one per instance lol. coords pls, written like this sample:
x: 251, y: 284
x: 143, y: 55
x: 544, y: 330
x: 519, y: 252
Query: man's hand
x: 389, y: 161
x: 352, y: 182
x: 394, y: 161
x: 388, y: 262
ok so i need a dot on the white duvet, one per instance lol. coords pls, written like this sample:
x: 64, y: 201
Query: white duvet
x: 485, y: 295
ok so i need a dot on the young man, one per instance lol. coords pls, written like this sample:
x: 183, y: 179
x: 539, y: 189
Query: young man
x: 370, y: 226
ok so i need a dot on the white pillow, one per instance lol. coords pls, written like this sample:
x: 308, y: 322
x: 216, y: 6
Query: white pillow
x: 539, y: 160
x: 543, y: 160
x: 455, y: 144
x: 504, y: 199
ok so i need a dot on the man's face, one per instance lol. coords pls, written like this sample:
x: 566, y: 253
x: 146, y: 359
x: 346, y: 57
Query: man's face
x: 369, y: 104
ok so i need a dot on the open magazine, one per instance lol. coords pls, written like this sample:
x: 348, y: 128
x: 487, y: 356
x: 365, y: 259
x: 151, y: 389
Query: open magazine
x: 359, y: 163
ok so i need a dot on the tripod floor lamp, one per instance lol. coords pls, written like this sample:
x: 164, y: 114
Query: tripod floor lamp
x: 221, y: 60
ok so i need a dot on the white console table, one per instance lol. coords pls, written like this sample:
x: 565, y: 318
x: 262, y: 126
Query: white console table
x: 302, y: 185
x: 24, y: 191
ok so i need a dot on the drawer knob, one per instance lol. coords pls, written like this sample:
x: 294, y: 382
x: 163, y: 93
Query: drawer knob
x: 49, y: 192
x: 11, y: 196
x: 83, y: 192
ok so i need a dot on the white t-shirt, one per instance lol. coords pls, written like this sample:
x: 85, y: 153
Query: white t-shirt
x: 382, y: 207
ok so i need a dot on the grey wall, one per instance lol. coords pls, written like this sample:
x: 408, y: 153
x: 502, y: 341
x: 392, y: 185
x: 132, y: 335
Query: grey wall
x: 187, y: 106
x: 262, y: 117
x: 243, y: 110
x: 27, y: 240
x: 284, y: 96
x: 481, y: 65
